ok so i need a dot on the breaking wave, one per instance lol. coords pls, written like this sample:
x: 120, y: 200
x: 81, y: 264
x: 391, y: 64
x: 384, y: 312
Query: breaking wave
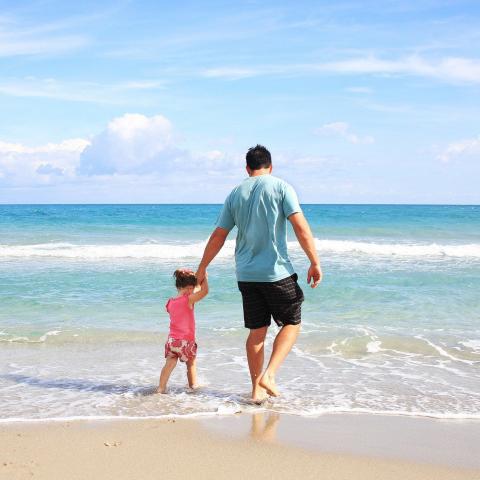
x: 195, y: 250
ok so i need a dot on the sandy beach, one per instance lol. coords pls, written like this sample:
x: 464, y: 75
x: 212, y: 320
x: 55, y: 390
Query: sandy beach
x: 237, y: 447
x: 265, y: 210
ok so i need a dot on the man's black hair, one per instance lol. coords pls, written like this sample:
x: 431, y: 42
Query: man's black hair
x: 258, y: 157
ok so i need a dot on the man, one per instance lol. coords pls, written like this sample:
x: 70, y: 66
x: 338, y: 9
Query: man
x: 260, y: 207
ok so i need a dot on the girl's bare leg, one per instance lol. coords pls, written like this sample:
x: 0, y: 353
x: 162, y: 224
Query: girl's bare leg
x: 170, y: 364
x: 192, y: 373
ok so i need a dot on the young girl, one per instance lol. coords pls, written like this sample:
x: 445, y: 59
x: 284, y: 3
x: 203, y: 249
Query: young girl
x: 181, y: 338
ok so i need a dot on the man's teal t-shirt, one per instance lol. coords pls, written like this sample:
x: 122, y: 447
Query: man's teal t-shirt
x: 260, y: 207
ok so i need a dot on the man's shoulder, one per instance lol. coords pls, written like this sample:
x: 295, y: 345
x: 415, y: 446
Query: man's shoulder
x: 233, y: 191
x: 278, y: 183
x: 279, y: 180
x: 271, y: 182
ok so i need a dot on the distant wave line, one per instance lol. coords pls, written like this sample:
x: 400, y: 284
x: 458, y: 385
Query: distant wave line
x: 172, y: 250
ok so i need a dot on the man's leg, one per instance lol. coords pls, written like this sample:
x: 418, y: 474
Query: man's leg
x: 282, y: 345
x: 255, y: 356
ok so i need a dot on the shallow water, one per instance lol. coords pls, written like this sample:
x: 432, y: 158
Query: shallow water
x: 393, y: 328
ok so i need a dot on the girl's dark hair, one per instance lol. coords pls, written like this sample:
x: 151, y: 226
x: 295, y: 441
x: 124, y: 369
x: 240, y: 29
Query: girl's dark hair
x: 184, y: 278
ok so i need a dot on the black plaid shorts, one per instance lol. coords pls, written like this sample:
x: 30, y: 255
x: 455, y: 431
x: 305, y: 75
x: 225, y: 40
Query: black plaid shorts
x: 281, y: 300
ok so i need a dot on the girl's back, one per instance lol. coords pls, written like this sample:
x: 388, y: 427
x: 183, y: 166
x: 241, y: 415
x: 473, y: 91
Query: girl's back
x: 182, y: 318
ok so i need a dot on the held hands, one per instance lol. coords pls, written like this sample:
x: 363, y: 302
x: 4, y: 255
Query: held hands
x: 314, y: 275
x: 201, y: 275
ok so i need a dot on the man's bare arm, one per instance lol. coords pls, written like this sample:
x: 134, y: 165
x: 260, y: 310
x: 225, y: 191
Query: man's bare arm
x: 214, y: 245
x: 307, y: 242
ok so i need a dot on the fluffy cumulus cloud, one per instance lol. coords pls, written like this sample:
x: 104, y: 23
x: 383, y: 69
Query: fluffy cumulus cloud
x: 131, y: 145
x: 134, y: 144
x: 22, y: 165
x: 140, y: 159
x: 133, y: 151
x: 342, y: 130
x: 469, y: 147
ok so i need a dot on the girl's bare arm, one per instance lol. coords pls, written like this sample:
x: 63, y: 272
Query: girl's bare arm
x: 197, y: 295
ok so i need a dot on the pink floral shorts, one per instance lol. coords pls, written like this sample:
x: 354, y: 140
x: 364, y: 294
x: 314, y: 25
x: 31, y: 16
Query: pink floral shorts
x: 184, y: 350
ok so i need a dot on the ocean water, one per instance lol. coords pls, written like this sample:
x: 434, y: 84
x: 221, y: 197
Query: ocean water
x: 394, y: 327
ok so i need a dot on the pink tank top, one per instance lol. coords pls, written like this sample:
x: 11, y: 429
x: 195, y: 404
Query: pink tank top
x: 182, y: 319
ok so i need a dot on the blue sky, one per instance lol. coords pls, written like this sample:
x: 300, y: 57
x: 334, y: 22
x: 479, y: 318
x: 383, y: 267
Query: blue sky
x: 138, y: 101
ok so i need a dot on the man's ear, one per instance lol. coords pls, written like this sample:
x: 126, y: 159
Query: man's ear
x: 249, y: 170
x: 271, y: 167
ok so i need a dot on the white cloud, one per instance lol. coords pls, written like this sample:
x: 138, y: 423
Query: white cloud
x: 295, y: 164
x: 136, y: 158
x: 135, y: 144
x: 26, y: 165
x: 140, y: 159
x: 76, y: 91
x: 448, y: 69
x: 17, y: 39
x: 342, y: 129
x: 34, y: 46
x: 466, y: 147
x: 130, y: 144
x: 133, y: 147
x: 72, y: 145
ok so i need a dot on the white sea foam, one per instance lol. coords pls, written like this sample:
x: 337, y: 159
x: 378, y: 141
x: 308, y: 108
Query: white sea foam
x: 49, y: 334
x: 16, y: 338
x: 473, y: 344
x: 314, y: 412
x: 374, y: 346
x: 102, y: 384
x: 443, y: 352
x: 175, y: 250
x: 94, y: 252
x: 228, y: 409
x: 399, y: 249
x: 397, y: 413
x: 22, y: 339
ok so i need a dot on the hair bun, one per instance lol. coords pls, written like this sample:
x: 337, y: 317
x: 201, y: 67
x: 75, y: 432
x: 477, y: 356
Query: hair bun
x: 184, y: 277
x: 182, y: 272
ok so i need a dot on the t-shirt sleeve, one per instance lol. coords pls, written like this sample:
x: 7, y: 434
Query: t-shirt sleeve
x: 225, y: 219
x: 290, y: 201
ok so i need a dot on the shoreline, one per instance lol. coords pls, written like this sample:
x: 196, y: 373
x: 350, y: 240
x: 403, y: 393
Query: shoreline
x: 335, y: 446
x: 206, y: 415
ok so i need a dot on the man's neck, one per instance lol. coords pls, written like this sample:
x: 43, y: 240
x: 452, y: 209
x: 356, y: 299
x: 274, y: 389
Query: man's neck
x: 260, y: 171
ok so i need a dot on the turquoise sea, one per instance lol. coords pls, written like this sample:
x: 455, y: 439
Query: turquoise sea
x: 393, y: 328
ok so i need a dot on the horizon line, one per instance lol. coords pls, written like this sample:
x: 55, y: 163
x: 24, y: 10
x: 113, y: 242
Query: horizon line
x: 221, y: 203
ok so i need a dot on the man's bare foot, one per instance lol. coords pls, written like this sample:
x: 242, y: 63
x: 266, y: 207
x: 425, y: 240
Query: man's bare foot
x: 160, y: 390
x: 268, y: 383
x: 259, y: 395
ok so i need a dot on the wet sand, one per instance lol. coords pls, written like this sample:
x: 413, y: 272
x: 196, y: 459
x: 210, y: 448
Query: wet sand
x: 264, y: 445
